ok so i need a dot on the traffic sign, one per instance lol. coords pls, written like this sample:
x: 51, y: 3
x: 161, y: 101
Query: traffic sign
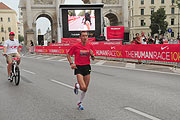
x: 169, y: 30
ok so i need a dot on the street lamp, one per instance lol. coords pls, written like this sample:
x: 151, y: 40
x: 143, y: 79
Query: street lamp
x: 178, y: 3
x: 178, y: 25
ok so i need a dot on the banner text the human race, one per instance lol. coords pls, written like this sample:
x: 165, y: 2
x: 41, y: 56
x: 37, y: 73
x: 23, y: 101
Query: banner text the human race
x: 160, y: 52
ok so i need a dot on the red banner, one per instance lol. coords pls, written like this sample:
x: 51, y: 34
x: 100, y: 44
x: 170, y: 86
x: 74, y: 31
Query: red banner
x: 62, y: 44
x: 159, y: 52
x: 115, y: 32
x: 1, y: 47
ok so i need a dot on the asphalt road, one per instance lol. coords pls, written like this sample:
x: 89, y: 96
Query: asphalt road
x: 115, y: 92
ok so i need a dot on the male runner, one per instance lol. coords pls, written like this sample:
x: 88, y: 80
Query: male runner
x: 82, y: 68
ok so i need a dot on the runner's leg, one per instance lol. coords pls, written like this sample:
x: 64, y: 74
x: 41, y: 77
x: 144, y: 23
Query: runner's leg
x: 9, y: 59
x: 86, y: 80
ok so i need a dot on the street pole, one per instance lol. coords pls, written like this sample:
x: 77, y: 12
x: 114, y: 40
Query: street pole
x: 178, y: 24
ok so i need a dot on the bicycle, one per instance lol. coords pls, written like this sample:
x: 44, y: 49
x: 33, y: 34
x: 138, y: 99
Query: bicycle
x: 15, y: 72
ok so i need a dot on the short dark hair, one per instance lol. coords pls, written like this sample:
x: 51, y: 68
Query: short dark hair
x: 83, y: 32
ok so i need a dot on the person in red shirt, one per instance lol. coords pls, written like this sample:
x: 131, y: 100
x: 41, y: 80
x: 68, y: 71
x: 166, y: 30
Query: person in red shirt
x: 82, y: 69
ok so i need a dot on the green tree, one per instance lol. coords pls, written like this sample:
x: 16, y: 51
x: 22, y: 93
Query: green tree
x: 21, y: 38
x: 158, y: 22
x: 178, y: 3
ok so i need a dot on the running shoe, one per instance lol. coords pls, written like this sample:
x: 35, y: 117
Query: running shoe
x: 76, y: 89
x: 9, y: 78
x: 80, y: 106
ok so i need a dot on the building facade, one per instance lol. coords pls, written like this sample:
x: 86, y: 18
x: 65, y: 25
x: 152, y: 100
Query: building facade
x: 140, y: 12
x: 8, y: 22
x: 20, y: 24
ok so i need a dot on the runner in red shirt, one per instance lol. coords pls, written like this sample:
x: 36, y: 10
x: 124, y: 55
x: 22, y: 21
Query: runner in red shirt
x: 82, y: 68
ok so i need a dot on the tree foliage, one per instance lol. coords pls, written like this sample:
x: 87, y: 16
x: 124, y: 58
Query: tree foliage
x: 21, y: 38
x: 158, y: 22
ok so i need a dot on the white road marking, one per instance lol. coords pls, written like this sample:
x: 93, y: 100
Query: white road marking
x: 130, y: 65
x: 101, y: 62
x: 28, y: 71
x: 38, y: 57
x: 63, y: 84
x: 141, y: 113
x: 136, y: 69
x: 51, y: 58
x: 63, y: 59
x: 30, y: 56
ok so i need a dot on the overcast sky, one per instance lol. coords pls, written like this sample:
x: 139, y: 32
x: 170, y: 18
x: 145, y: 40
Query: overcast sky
x: 42, y: 23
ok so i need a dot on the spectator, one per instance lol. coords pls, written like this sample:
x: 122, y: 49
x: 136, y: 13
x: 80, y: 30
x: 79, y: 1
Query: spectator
x: 150, y: 40
x: 31, y: 43
x: 138, y: 38
x: 144, y: 39
x: 161, y: 39
x: 157, y: 40
x: 134, y: 41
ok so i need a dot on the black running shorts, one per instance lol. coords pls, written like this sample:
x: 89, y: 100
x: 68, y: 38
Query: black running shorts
x: 83, y: 70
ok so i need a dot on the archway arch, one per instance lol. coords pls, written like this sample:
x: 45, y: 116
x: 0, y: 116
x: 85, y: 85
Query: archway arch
x: 113, y: 19
x: 50, y: 18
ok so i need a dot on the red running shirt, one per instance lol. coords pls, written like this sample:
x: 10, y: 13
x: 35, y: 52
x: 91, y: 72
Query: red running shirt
x: 82, y: 53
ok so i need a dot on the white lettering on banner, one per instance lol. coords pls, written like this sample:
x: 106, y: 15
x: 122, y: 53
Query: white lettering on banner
x: 112, y: 43
x: 39, y: 50
x: 54, y: 50
x: 115, y: 28
x: 106, y: 53
x: 148, y: 55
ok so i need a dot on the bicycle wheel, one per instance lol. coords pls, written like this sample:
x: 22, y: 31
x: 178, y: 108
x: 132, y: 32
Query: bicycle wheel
x: 17, y: 77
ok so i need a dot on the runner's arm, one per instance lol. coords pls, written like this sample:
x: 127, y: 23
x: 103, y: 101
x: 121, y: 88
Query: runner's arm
x: 69, y: 59
x: 73, y: 66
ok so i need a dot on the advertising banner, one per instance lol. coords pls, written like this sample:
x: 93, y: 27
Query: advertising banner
x: 159, y: 52
x: 115, y: 32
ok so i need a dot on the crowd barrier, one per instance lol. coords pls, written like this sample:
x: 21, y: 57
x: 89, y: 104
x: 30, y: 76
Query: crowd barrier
x: 159, y: 52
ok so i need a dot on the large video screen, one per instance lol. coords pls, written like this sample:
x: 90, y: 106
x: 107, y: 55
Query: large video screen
x: 81, y: 20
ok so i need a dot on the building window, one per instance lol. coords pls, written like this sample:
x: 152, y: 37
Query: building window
x: 162, y: 1
x: 21, y: 13
x: 172, y: 1
x: 152, y: 1
x: 172, y: 21
x: 172, y: 10
x: 142, y: 11
x: 2, y: 29
x: 9, y: 29
x: 152, y: 10
x: 142, y: 23
x: 2, y: 38
x: 9, y: 20
x: 172, y: 34
x: 1, y: 19
x: 142, y: 2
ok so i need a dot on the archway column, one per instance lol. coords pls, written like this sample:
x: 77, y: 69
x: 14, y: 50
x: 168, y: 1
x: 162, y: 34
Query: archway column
x: 29, y: 36
x: 35, y: 34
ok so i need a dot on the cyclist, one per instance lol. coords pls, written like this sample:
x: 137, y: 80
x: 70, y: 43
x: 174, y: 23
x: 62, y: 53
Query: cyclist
x: 11, y: 49
x: 82, y: 68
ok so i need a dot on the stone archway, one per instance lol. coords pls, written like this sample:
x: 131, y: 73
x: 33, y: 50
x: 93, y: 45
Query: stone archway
x: 49, y: 17
x: 113, y: 19
x: 35, y: 9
